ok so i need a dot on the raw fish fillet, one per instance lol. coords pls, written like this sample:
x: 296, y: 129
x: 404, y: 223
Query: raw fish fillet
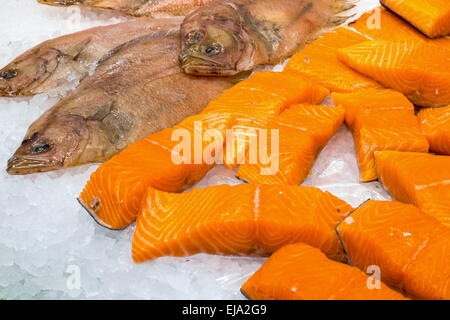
x: 380, y: 24
x: 435, y: 125
x: 303, y: 131
x: 253, y: 107
x: 319, y: 62
x: 114, y: 192
x: 411, y: 248
x: 301, y: 272
x: 341, y: 37
x: 432, y: 17
x: 380, y: 120
x: 237, y: 220
x: 418, y: 69
x: 418, y: 178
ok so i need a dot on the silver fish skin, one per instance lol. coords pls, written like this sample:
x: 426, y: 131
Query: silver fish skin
x: 49, y: 64
x: 230, y: 36
x: 136, y: 7
x: 136, y: 91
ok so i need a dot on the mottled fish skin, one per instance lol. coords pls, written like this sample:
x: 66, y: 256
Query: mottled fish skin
x: 230, y: 36
x: 138, y: 90
x: 49, y: 64
x: 136, y: 7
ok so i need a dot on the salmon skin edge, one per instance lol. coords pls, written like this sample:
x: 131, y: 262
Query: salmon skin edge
x: 95, y: 217
x: 339, y: 235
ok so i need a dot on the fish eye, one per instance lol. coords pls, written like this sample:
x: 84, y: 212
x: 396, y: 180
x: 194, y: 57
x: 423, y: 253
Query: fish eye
x: 40, y: 148
x: 213, y: 49
x: 194, y: 37
x: 8, y: 74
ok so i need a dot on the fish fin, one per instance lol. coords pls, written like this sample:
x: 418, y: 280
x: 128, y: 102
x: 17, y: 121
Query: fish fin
x: 341, y: 12
x: 344, y: 5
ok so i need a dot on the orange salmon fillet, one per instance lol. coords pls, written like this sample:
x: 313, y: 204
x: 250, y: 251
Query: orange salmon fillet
x: 435, y: 125
x: 237, y: 220
x: 419, y: 70
x: 253, y: 106
x: 115, y: 190
x: 319, y: 62
x: 301, y: 272
x: 303, y: 131
x: 432, y: 17
x: 380, y: 120
x: 380, y: 24
x: 411, y: 248
x: 418, y: 178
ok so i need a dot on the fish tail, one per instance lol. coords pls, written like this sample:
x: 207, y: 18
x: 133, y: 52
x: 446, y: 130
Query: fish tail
x: 343, y: 5
x: 341, y: 12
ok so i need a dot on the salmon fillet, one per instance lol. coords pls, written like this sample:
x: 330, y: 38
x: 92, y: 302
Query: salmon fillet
x: 252, y: 107
x: 303, y: 131
x: 380, y: 120
x: 238, y: 220
x: 115, y: 190
x: 418, y: 178
x: 321, y: 55
x: 435, y: 125
x: 380, y: 24
x: 411, y: 248
x: 431, y: 17
x: 418, y: 69
x: 301, y: 272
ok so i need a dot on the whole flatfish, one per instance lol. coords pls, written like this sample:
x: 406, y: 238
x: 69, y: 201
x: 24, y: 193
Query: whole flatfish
x: 136, y: 7
x: 137, y: 90
x: 49, y: 64
x: 230, y: 36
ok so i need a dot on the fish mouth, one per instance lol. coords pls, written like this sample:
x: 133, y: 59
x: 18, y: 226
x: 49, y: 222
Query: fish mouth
x: 201, y: 66
x: 18, y: 165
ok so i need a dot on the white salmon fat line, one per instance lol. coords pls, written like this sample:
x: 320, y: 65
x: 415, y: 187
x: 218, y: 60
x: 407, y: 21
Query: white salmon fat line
x: 242, y: 146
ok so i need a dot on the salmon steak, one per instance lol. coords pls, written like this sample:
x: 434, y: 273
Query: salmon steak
x: 301, y: 272
x: 237, y: 220
x: 418, y: 69
x: 322, y: 55
x: 435, y: 125
x: 115, y: 190
x: 432, y: 17
x: 410, y: 248
x: 380, y: 120
x: 418, y: 178
x: 303, y: 130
